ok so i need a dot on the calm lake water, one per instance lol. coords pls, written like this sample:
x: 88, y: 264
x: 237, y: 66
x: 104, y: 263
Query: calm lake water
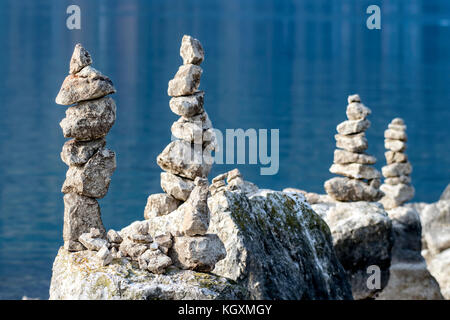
x: 286, y: 65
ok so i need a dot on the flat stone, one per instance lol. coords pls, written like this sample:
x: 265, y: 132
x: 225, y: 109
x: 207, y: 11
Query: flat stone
x: 398, y: 127
x: 345, y: 189
x: 113, y: 236
x: 353, y: 126
x: 186, y: 81
x: 187, y: 106
x: 398, y: 121
x: 199, y: 253
x: 77, y: 153
x: 80, y: 59
x: 91, y: 243
x: 92, y: 179
x: 398, y: 180
x: 352, y: 143
x: 164, y: 242
x: 397, y: 169
x: 89, y: 120
x: 396, y: 195
x: 156, y: 261
x: 356, y: 170
x: 353, y: 98
x: 357, y: 111
x: 395, y: 145
x: 178, y: 187
x: 191, y: 50
x: 132, y: 249
x: 87, y: 84
x: 196, y: 212
x: 395, y: 135
x: 186, y: 160
x: 80, y: 215
x: 395, y: 157
x: 160, y: 204
x: 345, y: 157
x: 188, y: 131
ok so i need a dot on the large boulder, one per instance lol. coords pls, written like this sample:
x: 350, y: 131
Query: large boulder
x: 362, y: 238
x: 409, y: 278
x: 277, y: 246
x: 78, y: 276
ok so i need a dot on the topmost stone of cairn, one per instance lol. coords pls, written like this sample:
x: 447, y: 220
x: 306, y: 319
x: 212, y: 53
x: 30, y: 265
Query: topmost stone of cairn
x: 191, y: 50
x: 80, y: 59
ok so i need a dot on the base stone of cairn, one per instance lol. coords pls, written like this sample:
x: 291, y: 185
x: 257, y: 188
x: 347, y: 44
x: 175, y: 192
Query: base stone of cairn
x: 397, y: 183
x: 361, y: 182
x: 91, y: 165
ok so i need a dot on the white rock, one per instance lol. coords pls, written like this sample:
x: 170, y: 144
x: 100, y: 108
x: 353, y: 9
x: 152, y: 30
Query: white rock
x: 80, y: 59
x: 397, y: 169
x: 178, y: 187
x: 191, y: 50
x: 186, y: 81
x: 393, y: 157
x: 114, y: 236
x: 345, y: 157
x: 160, y: 204
x: 91, y: 243
x: 187, y: 106
x: 396, y: 195
x: 77, y: 153
x: 353, y: 126
x: 394, y: 145
x: 395, y: 135
x: 352, y: 143
x: 356, y: 170
x: 357, y: 111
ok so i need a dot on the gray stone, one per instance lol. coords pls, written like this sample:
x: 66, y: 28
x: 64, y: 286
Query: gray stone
x: 196, y: 212
x: 362, y: 237
x: 277, y: 246
x: 160, y: 204
x: 191, y: 50
x: 446, y: 194
x: 398, y: 180
x: 395, y: 135
x: 439, y: 266
x: 80, y: 59
x: 89, y: 120
x: 186, y: 160
x: 435, y: 219
x: 80, y: 215
x: 77, y: 277
x: 353, y: 126
x: 186, y: 81
x: 155, y: 260
x: 199, y: 253
x: 397, y: 169
x: 164, y: 242
x: 356, y: 170
x: 345, y: 189
x: 77, y: 153
x: 396, y: 195
x: 113, y: 236
x: 132, y: 249
x: 353, y: 98
x: 395, y: 157
x: 357, y: 111
x: 104, y: 256
x: 395, y: 145
x: 188, y: 131
x: 353, y: 143
x: 92, y: 179
x: 178, y: 187
x: 345, y: 157
x: 187, y: 106
x: 92, y: 243
x: 87, y: 84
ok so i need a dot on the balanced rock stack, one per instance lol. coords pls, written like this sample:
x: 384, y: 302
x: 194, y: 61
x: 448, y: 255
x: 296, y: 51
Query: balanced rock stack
x: 90, y: 163
x: 397, y: 183
x: 361, y: 182
x: 183, y: 210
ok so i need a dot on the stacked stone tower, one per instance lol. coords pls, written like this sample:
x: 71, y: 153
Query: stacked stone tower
x: 91, y: 164
x: 361, y: 181
x: 397, y: 183
x: 189, y: 155
x: 182, y: 211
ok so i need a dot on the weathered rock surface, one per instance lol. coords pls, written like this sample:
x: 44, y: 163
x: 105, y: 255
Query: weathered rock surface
x: 409, y: 278
x: 160, y: 204
x: 187, y: 106
x: 277, y: 234
x: 185, y: 160
x: 87, y: 84
x: 353, y: 143
x: 356, y: 170
x: 345, y: 157
x: 435, y: 219
x: 177, y: 187
x: 191, y: 50
x: 80, y: 59
x: 196, y: 212
x: 186, y: 81
x: 446, y: 194
x: 397, y: 194
x: 80, y: 215
x: 77, y: 153
x: 76, y: 276
x: 362, y: 237
x: 92, y: 179
x: 353, y: 126
x: 357, y: 111
x: 345, y: 189
x: 89, y: 120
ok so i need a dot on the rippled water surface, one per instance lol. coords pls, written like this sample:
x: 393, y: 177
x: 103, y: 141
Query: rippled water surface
x: 286, y: 65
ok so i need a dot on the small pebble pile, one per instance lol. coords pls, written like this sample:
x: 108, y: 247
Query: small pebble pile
x: 361, y: 181
x: 91, y: 164
x: 397, y: 183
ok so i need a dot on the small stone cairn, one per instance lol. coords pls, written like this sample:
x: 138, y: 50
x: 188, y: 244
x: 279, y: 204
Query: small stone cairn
x: 91, y: 164
x: 361, y: 181
x: 397, y: 183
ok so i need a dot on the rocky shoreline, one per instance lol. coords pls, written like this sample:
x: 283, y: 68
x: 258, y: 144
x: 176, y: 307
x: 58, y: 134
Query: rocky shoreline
x: 229, y: 239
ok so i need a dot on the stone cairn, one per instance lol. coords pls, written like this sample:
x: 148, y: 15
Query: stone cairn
x: 397, y: 183
x: 91, y: 165
x: 186, y: 162
x: 361, y: 182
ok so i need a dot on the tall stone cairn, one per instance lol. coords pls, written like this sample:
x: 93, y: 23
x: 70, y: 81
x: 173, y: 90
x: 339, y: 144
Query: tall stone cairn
x: 397, y: 183
x: 361, y: 181
x: 91, y: 164
x: 186, y: 162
